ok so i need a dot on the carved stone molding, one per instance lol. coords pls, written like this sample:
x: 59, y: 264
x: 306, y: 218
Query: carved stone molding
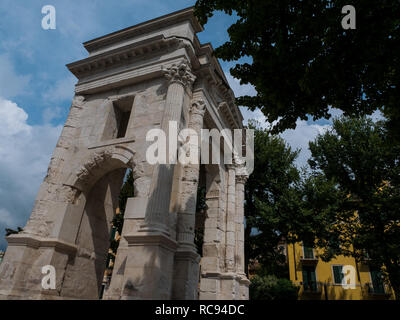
x: 96, y: 159
x: 240, y: 167
x: 98, y: 163
x: 121, y: 55
x: 198, y: 107
x: 180, y: 73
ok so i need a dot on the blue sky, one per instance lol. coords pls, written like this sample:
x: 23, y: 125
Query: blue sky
x: 36, y: 88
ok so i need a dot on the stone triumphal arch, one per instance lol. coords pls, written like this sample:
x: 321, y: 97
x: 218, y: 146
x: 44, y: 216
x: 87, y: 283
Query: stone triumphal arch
x: 134, y: 80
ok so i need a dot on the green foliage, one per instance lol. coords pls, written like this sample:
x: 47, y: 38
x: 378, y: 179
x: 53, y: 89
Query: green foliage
x: 269, y: 287
x: 358, y: 162
x: 271, y: 199
x: 282, y: 203
x: 321, y: 201
x: 127, y: 191
x: 347, y: 205
x: 302, y: 61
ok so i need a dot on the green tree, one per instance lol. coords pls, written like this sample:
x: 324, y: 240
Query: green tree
x: 358, y: 158
x: 126, y: 192
x: 271, y: 200
x: 269, y: 287
x: 301, y: 61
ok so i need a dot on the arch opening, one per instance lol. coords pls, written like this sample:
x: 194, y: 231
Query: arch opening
x: 85, y: 272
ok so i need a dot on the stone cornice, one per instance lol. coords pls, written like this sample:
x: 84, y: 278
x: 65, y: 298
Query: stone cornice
x: 225, y: 109
x: 229, y: 109
x: 148, y: 26
x: 222, y: 82
x: 120, y: 56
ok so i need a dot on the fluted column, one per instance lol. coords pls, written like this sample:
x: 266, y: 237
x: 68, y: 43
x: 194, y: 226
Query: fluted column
x: 186, y: 276
x: 240, y: 183
x: 241, y: 177
x: 190, y: 181
x: 231, y: 221
x: 179, y: 77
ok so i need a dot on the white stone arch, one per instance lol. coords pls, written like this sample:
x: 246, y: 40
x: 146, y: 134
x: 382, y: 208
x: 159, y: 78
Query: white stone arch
x: 97, y: 184
x: 99, y: 163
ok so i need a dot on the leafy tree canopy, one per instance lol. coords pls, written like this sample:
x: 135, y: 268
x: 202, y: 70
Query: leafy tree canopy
x: 269, y: 287
x: 362, y: 166
x: 271, y: 198
x: 303, y: 62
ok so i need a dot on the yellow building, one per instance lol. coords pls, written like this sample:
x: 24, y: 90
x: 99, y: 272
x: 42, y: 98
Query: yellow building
x: 320, y: 280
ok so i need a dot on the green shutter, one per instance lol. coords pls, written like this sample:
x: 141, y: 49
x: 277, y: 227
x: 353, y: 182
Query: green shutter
x: 377, y: 282
x: 309, y: 278
x: 305, y: 278
x: 337, y: 274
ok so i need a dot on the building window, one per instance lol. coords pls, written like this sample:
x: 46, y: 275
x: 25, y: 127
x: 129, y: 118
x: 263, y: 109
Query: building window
x: 308, y: 251
x: 118, y: 119
x: 337, y: 274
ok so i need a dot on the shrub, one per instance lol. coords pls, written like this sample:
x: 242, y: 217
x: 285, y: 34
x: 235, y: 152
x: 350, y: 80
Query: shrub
x: 269, y: 287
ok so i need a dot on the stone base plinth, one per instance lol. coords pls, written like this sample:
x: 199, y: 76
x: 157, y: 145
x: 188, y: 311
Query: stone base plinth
x: 147, y: 269
x: 21, y: 272
x: 186, y: 275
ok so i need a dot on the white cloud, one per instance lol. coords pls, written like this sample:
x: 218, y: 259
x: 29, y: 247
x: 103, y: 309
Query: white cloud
x: 11, y: 84
x: 25, y: 152
x: 12, y: 119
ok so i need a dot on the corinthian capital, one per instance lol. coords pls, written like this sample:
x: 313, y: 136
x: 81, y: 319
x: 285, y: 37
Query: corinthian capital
x: 241, y: 178
x: 240, y: 168
x: 180, y: 73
